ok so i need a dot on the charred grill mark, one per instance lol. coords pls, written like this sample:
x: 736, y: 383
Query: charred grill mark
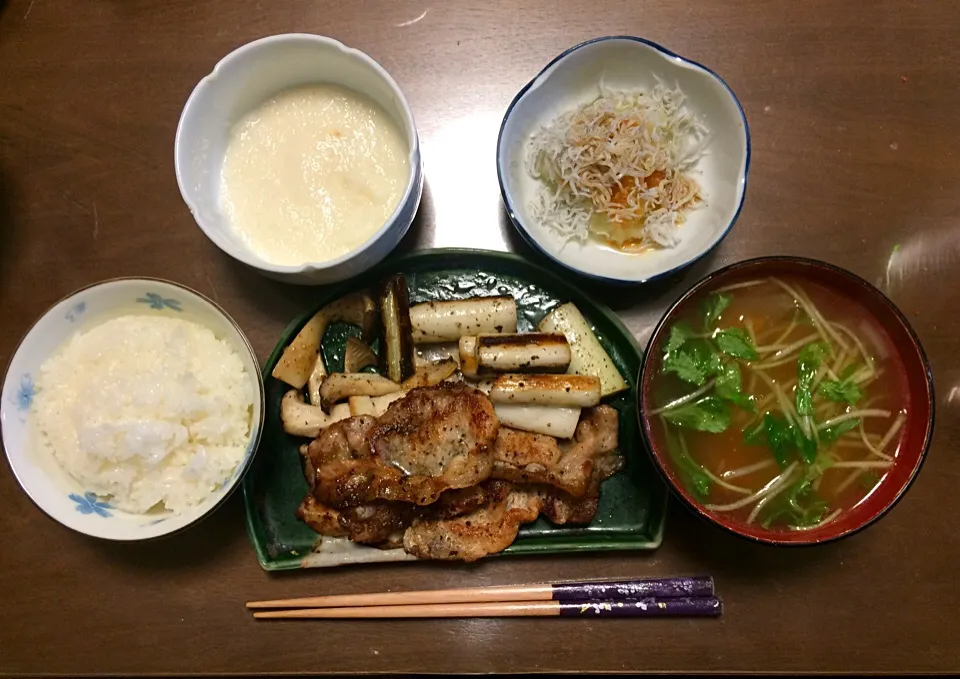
x: 521, y: 340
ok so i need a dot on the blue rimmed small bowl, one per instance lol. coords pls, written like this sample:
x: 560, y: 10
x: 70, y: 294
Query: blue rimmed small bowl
x: 52, y: 489
x: 628, y: 63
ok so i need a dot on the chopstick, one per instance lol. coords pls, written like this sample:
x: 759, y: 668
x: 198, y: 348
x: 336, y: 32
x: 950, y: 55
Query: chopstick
x: 648, y: 607
x: 666, y: 588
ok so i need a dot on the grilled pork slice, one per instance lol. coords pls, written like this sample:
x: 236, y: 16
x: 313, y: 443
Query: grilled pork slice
x: 562, y: 507
x: 565, y: 480
x: 492, y: 526
x: 525, y: 457
x: 462, y: 501
x: 432, y: 440
x: 380, y: 524
x: 489, y: 529
x: 321, y: 518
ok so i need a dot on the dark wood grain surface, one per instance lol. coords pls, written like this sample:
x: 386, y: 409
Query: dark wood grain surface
x: 853, y: 109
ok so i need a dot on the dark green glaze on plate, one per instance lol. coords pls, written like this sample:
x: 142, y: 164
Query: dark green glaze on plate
x: 632, y: 503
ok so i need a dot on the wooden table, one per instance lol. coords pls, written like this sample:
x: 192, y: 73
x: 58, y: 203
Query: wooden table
x: 853, y: 110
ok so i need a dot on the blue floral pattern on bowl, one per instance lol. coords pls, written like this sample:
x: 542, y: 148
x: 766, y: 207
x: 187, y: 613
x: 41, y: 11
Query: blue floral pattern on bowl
x: 24, y: 395
x: 159, y: 302
x: 76, y: 311
x: 89, y: 504
x: 78, y: 507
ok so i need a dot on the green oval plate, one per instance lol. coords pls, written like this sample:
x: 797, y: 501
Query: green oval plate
x: 632, y: 503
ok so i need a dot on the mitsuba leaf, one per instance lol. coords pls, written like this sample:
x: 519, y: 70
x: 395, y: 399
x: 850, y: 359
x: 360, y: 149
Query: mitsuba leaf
x: 806, y: 446
x: 694, y: 361
x: 708, y: 414
x: 811, y: 356
x: 785, y: 440
x: 840, y: 391
x: 729, y: 388
x: 831, y: 434
x: 713, y: 306
x: 712, y: 362
x: 679, y: 334
x: 735, y: 342
x: 685, y: 366
x: 780, y: 438
x: 814, y: 352
x: 692, y: 474
x: 798, y: 505
x: 756, y: 435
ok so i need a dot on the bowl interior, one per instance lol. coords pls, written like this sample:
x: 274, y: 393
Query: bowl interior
x: 629, y: 64
x: 899, y: 339
x: 240, y: 82
x: 54, y: 491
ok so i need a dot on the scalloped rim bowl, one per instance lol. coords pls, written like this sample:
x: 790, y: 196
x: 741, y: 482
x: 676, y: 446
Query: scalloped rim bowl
x: 50, y: 488
x: 901, y: 339
x: 628, y: 62
x: 240, y: 82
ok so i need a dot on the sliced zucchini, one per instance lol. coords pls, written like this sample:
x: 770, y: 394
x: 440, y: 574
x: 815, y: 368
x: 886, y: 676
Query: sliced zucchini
x: 588, y: 357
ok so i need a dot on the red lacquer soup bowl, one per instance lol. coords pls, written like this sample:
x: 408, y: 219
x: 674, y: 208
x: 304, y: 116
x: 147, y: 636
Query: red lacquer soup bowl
x: 889, y: 361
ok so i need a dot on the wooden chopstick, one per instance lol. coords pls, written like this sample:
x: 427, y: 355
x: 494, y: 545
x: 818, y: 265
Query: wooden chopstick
x: 571, y: 591
x: 649, y: 607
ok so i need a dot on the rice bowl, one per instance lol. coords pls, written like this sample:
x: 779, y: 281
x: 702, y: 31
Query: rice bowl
x: 88, y: 504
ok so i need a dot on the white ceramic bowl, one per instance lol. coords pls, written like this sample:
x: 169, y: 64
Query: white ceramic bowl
x: 244, y: 79
x: 55, y: 492
x: 626, y: 62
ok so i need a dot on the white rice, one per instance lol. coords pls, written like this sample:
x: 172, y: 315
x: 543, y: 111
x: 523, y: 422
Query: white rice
x: 146, y: 411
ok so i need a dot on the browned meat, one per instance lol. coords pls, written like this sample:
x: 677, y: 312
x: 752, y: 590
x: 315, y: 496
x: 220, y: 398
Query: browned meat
x: 562, y: 508
x: 455, y: 503
x: 325, y: 520
x: 519, y: 455
x: 418, y: 476
x: 340, y: 460
x: 487, y: 530
x: 446, y: 432
x: 604, y: 467
x: 434, y: 439
x: 569, y: 465
x: 381, y: 524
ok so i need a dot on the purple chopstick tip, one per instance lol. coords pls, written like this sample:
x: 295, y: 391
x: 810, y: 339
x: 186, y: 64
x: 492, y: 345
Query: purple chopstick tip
x: 648, y: 607
x: 696, y: 586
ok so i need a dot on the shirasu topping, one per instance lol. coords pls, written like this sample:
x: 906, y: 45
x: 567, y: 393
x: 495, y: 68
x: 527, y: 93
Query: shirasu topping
x: 619, y: 167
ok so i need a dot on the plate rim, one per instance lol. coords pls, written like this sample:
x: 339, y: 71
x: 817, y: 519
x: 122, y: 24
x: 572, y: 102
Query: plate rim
x: 398, y: 262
